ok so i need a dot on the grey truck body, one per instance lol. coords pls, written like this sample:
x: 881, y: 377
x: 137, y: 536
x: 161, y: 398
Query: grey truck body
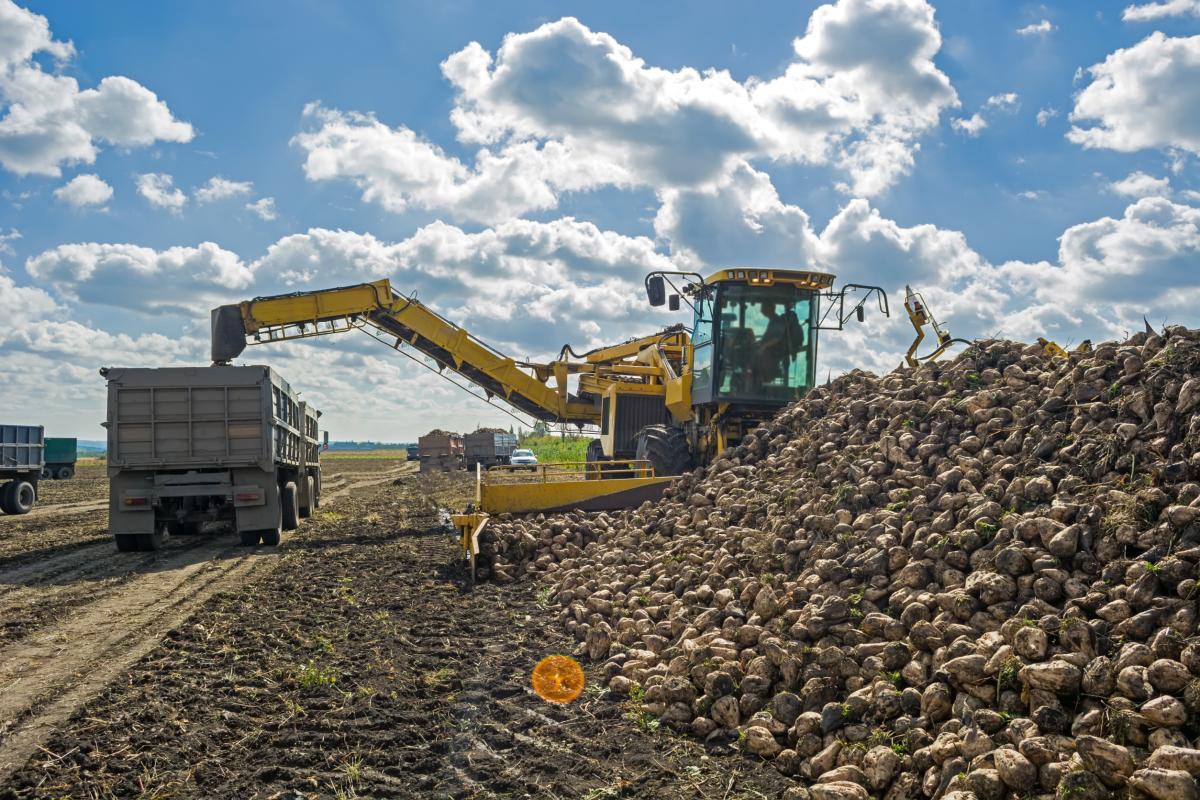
x: 22, y: 456
x: 193, y: 445
x: 488, y: 448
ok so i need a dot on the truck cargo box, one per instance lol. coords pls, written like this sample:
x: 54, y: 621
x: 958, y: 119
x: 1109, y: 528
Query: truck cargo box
x: 204, y: 416
x: 61, y: 455
x: 440, y: 451
x: 488, y: 447
x: 22, y: 448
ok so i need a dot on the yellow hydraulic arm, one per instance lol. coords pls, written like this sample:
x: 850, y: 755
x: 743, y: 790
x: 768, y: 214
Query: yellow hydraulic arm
x: 374, y: 305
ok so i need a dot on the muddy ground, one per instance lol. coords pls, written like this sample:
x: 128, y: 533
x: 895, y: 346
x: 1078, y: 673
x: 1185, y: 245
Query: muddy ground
x: 349, y: 662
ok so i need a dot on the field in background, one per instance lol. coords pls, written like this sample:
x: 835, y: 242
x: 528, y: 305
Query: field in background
x: 360, y: 455
x: 555, y: 449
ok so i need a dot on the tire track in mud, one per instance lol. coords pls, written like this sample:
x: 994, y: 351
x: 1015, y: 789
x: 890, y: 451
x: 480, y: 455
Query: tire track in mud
x: 131, y: 603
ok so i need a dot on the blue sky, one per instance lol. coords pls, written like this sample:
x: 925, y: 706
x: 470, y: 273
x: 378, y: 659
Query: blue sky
x: 888, y: 141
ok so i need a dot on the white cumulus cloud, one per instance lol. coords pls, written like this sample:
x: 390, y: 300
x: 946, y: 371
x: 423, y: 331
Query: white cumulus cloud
x: 1170, y: 8
x: 84, y: 190
x: 564, y: 108
x: 1140, y: 97
x: 159, y: 190
x: 218, y: 188
x: 1036, y: 28
x: 48, y: 120
x: 1045, y: 115
x: 1139, y: 184
x: 263, y: 208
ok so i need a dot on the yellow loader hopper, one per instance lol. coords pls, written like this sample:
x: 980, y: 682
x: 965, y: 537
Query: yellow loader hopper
x: 551, y: 488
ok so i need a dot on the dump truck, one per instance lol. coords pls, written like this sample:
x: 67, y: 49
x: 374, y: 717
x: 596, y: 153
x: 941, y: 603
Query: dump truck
x: 22, y: 456
x: 441, y: 451
x: 488, y: 447
x: 61, y: 455
x: 188, y: 446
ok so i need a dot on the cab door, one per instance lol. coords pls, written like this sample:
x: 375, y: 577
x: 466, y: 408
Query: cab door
x: 703, y: 349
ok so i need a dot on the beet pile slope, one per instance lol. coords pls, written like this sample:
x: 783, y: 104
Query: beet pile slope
x: 978, y: 577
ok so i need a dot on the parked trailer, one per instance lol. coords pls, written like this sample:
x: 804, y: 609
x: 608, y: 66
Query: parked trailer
x: 22, y: 455
x: 441, y: 451
x: 488, y: 448
x: 61, y: 455
x: 192, y: 445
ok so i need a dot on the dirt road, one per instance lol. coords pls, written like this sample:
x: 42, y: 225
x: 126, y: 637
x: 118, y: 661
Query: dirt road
x: 352, y: 662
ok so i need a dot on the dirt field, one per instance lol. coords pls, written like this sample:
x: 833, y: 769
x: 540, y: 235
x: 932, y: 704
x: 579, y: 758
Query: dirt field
x: 349, y: 662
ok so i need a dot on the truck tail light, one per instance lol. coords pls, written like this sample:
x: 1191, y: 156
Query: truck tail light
x: 248, y: 497
x: 135, y: 501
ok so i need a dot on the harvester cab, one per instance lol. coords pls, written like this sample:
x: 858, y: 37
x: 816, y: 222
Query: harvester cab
x: 751, y: 349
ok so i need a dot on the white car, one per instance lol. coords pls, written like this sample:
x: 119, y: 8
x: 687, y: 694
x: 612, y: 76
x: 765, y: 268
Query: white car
x: 523, y: 458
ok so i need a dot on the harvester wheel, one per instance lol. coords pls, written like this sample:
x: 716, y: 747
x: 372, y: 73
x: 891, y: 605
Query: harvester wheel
x: 666, y: 448
x: 291, y: 507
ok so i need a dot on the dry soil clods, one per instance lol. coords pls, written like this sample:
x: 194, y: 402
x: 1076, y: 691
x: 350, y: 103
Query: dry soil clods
x: 976, y: 578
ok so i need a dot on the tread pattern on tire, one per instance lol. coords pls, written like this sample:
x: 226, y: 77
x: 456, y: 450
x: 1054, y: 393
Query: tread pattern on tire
x: 666, y: 448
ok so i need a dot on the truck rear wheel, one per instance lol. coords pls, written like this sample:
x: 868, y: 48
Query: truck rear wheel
x: 249, y: 538
x: 65, y: 473
x: 666, y: 448
x: 149, y: 541
x: 307, y: 509
x: 291, y: 507
x: 19, y: 497
x: 47, y: 473
x: 270, y: 537
x: 126, y: 542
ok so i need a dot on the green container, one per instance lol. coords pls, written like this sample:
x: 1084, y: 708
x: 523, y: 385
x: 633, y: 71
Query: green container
x: 61, y: 451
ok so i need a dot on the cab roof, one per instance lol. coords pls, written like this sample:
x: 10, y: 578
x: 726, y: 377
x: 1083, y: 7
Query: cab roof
x: 806, y: 279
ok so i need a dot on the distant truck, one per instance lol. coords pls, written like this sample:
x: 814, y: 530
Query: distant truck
x: 22, y: 456
x: 488, y: 448
x: 61, y: 455
x: 412, y: 452
x: 193, y: 445
x: 441, y: 451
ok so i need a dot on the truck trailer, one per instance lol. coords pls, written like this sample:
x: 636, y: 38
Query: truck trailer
x: 488, y: 447
x: 189, y: 446
x: 441, y: 451
x: 22, y: 456
x: 61, y: 455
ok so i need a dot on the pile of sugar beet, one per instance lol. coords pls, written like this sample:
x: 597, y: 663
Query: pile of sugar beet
x: 976, y: 578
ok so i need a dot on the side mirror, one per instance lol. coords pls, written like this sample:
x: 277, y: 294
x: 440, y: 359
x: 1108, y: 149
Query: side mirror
x: 656, y: 291
x: 858, y: 312
x: 326, y: 439
x: 673, y: 302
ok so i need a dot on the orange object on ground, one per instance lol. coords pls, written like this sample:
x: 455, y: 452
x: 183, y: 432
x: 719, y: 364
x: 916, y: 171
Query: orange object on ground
x: 558, y: 679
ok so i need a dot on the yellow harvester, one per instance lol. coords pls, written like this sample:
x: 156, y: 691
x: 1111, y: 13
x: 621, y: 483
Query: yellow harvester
x: 660, y: 404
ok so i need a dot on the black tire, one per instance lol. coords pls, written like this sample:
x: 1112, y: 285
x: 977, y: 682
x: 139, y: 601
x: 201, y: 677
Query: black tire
x: 666, y: 448
x: 270, y: 537
x: 316, y: 491
x: 65, y: 473
x: 126, y: 542
x: 149, y: 542
x: 306, y: 510
x: 290, y: 503
x: 249, y: 538
x: 19, y: 497
x: 4, y: 487
x: 47, y: 473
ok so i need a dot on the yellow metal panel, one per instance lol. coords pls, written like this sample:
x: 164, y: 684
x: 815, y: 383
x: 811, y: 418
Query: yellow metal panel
x: 533, y: 497
x: 314, y: 306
